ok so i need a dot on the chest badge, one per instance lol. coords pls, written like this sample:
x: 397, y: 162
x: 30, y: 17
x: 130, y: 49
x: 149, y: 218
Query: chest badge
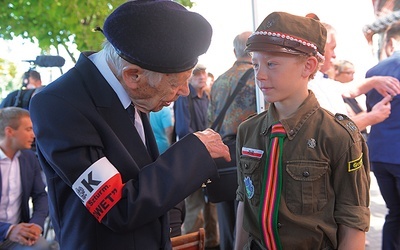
x: 311, y: 143
x: 249, y: 187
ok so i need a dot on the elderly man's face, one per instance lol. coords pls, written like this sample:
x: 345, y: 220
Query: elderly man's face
x: 199, y: 79
x: 154, y: 96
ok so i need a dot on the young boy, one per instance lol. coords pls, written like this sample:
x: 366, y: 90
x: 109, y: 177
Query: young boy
x: 315, y: 194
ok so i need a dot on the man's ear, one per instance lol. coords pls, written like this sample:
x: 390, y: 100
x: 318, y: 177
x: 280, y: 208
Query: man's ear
x: 310, y: 66
x: 132, y: 75
x: 390, y: 46
x: 8, y: 131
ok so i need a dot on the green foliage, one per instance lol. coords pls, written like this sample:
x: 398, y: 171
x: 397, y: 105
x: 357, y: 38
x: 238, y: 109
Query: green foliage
x: 55, y: 23
x: 8, y: 77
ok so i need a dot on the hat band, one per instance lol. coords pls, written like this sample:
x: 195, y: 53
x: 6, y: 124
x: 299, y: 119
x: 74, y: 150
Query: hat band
x: 284, y: 41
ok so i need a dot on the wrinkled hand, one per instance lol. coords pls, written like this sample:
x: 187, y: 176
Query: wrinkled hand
x: 382, y: 109
x: 387, y: 85
x: 25, y: 233
x: 213, y: 142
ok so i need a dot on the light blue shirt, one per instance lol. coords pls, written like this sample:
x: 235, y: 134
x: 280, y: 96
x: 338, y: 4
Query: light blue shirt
x: 159, y: 121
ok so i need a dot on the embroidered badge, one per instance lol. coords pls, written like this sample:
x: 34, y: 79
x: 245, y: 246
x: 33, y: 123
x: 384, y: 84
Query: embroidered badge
x: 311, y: 143
x: 355, y: 164
x: 249, y: 187
x: 255, y: 153
x: 351, y: 126
x: 270, y: 23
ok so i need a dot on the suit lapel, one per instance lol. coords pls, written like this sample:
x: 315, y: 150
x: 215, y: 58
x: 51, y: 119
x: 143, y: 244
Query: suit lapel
x: 113, y: 113
x: 24, y: 172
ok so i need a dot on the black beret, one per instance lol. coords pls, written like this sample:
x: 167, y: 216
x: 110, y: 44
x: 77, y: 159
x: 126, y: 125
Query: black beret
x: 284, y: 32
x: 158, y: 35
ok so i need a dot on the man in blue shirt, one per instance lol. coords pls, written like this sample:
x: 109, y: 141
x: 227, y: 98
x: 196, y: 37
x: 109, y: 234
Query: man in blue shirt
x: 191, y: 116
x: 384, y: 141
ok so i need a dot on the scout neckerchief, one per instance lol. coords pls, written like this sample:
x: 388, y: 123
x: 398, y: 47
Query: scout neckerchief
x: 271, y: 193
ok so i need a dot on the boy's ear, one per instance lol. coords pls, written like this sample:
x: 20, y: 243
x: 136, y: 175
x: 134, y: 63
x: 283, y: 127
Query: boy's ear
x: 310, y: 66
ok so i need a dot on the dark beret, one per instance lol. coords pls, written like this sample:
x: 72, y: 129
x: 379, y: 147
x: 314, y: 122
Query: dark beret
x: 284, y: 32
x: 158, y: 35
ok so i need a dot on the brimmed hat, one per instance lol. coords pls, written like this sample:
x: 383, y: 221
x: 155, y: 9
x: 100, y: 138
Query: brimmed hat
x: 284, y: 32
x: 158, y: 35
x: 199, y: 67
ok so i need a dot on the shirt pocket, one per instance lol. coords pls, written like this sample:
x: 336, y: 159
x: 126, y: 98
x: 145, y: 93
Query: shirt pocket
x: 306, y: 186
x: 252, y: 176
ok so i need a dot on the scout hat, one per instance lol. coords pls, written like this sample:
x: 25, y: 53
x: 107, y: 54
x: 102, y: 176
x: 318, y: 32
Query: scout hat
x: 158, y: 35
x: 284, y: 32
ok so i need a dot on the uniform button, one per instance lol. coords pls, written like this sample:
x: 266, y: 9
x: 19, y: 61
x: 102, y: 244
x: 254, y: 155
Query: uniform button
x: 291, y: 132
x: 340, y: 118
x: 246, y: 166
x: 279, y: 225
x: 306, y: 174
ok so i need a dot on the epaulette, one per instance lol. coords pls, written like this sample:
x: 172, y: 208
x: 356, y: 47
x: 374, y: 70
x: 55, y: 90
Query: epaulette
x: 250, y: 116
x: 348, y: 124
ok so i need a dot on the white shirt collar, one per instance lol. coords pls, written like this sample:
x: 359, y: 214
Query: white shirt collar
x: 99, y: 61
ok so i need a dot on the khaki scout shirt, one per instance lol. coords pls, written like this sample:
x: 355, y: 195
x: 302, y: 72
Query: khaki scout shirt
x: 325, y: 176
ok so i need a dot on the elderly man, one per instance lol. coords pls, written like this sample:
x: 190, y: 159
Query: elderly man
x: 108, y: 186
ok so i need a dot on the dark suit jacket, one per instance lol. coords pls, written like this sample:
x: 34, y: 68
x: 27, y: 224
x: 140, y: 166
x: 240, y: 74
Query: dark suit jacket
x: 79, y: 119
x: 32, y: 187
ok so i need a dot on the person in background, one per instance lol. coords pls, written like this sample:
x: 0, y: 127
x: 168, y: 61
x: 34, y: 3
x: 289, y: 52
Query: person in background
x: 31, y: 84
x: 330, y: 93
x: 21, y: 181
x: 210, y: 79
x: 162, y: 123
x: 384, y: 140
x: 209, y: 83
x: 108, y: 186
x: 307, y: 189
x: 344, y: 73
x: 240, y: 109
x: 191, y: 116
x: 34, y: 80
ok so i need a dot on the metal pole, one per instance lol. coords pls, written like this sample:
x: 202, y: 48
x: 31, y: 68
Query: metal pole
x: 260, y: 103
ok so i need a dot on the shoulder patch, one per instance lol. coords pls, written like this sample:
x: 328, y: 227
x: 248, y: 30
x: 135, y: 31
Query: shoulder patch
x: 348, y: 124
x: 355, y: 164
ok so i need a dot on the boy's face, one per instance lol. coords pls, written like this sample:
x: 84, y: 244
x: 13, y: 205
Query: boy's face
x: 280, y: 76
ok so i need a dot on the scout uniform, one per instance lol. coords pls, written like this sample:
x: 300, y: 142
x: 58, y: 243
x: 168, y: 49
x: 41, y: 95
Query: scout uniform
x: 324, y: 170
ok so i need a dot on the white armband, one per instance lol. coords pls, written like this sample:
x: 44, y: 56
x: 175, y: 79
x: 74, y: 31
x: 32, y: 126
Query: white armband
x: 99, y: 187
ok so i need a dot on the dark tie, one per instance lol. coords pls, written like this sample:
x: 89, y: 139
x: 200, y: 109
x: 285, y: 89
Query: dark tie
x: 139, y: 125
x: 131, y: 112
x: 271, y: 193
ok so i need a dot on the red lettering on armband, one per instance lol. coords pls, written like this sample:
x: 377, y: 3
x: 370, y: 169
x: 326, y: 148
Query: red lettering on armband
x: 105, y: 197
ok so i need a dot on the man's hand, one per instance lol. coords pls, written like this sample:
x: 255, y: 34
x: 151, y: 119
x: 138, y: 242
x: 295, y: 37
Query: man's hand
x: 382, y: 109
x: 386, y: 85
x: 213, y: 142
x: 25, y: 233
